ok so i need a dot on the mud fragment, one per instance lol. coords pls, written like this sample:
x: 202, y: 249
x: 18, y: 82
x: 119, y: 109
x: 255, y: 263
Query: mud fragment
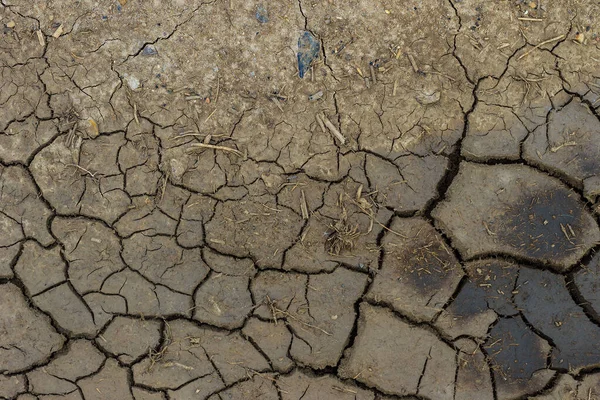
x: 518, y: 357
x: 549, y: 307
x: 28, y: 337
x: 419, y: 272
x: 516, y: 210
x: 372, y: 364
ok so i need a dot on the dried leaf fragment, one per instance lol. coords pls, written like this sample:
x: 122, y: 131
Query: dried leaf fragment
x: 40, y: 37
x: 93, y: 129
x: 59, y: 31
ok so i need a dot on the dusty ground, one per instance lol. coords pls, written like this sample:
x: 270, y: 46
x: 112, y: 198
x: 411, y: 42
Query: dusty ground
x: 180, y: 221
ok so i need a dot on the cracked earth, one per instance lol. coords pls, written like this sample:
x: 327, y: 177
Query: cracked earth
x: 183, y: 217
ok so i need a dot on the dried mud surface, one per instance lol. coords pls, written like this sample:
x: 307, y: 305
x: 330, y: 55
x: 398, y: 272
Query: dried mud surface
x: 182, y: 216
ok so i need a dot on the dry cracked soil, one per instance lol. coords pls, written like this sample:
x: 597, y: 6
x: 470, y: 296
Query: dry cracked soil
x: 292, y: 200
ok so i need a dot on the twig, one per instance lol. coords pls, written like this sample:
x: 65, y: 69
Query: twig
x: 303, y: 206
x: 255, y: 372
x: 157, y: 356
x: 487, y: 228
x: 275, y: 310
x: 554, y: 39
x: 334, y: 131
x: 277, y: 103
x: 215, y: 147
x: 135, y: 115
x: 218, y: 86
x: 344, y: 390
x: 40, y: 37
x: 190, y: 133
x: 211, y: 114
x: 554, y: 149
x: 369, y: 213
x: 83, y: 169
x: 170, y: 364
x: 165, y: 178
x: 530, y: 19
x: 415, y: 67
x: 320, y: 122
x: 272, y: 309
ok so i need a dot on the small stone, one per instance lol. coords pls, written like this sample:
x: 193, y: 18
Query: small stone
x: 178, y: 168
x: 262, y: 15
x: 149, y: 50
x: 316, y: 96
x: 308, y: 51
x: 132, y: 81
x: 426, y: 98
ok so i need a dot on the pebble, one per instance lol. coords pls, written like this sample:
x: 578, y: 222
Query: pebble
x: 132, y: 81
x: 262, y: 15
x: 315, y: 96
x: 308, y: 51
x: 149, y: 50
